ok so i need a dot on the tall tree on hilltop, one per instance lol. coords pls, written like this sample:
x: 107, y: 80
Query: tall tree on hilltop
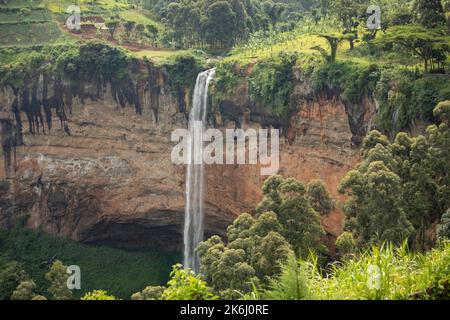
x: 220, y: 25
x: 349, y: 13
x: 428, y: 13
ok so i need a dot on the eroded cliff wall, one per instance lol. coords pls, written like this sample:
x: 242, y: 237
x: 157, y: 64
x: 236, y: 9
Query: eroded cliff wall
x: 92, y: 161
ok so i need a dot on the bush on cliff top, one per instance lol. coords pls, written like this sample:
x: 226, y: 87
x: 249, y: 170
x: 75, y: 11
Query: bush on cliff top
x: 95, y: 60
x: 182, y: 70
x: 271, y: 84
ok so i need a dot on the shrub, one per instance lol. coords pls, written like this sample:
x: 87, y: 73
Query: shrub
x: 101, y: 267
x: 24, y: 291
x: 385, y: 272
x: 443, y: 230
x: 271, y: 84
x: 57, y: 276
x: 185, y: 285
x: 291, y: 284
x: 346, y: 244
x: 11, y: 275
x: 149, y: 293
x: 98, y: 295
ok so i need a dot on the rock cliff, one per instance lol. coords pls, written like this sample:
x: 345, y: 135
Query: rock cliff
x: 92, y: 162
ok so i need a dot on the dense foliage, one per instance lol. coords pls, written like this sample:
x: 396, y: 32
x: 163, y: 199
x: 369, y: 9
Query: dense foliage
x: 98, y: 295
x: 185, y: 285
x: 406, y: 96
x: 102, y: 268
x: 401, y: 187
x: 386, y: 272
x: 285, y: 223
x: 271, y: 84
x: 217, y: 24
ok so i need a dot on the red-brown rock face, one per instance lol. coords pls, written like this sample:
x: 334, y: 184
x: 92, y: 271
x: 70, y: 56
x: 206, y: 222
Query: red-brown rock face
x: 104, y: 174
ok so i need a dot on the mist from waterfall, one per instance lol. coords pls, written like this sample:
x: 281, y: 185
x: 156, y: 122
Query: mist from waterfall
x: 193, y: 215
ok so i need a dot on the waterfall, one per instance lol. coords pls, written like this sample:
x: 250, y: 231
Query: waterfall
x: 193, y: 215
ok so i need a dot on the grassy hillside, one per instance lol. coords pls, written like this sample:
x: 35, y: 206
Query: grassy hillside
x: 119, y: 272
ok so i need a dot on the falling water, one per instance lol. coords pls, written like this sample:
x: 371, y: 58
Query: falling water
x: 193, y: 215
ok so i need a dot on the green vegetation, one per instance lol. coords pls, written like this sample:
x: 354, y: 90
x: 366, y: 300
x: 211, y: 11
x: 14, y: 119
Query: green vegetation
x: 380, y: 273
x: 185, y: 285
x: 428, y: 13
x: 98, y: 295
x: 285, y: 223
x: 57, y: 277
x: 24, y: 291
x: 431, y: 46
x: 405, y: 95
x: 271, y: 84
x: 398, y: 188
x: 217, y: 24
x: 101, y: 268
x: 183, y: 69
x: 443, y: 230
x: 149, y: 293
x: 397, y: 199
x: 32, y: 34
x: 300, y: 223
x: 255, y: 247
x: 11, y: 277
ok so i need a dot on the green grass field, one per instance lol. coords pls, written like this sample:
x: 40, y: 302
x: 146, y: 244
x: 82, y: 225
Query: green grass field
x: 158, y: 56
x: 32, y: 34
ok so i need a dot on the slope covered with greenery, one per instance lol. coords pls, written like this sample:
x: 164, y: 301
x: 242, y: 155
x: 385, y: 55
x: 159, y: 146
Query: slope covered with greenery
x: 117, y: 271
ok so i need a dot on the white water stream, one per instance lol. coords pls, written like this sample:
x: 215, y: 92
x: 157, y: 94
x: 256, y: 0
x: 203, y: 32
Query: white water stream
x: 193, y: 215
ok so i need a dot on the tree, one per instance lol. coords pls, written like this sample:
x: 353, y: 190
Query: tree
x: 24, y: 291
x: 185, y: 19
x: 274, y: 10
x: 11, y: 275
x: 443, y: 230
x: 149, y: 293
x: 153, y: 31
x: 220, y: 25
x: 319, y: 197
x: 431, y: 46
x: 400, y: 187
x: 129, y: 26
x: 349, y: 12
x: 324, y: 7
x: 112, y: 27
x: 428, y: 13
x: 333, y: 41
x: 251, y: 257
x: 185, y: 285
x: 57, y: 276
x: 300, y: 223
x: 140, y: 30
x: 374, y: 210
x: 98, y: 295
x: 241, y: 19
x: 346, y: 244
